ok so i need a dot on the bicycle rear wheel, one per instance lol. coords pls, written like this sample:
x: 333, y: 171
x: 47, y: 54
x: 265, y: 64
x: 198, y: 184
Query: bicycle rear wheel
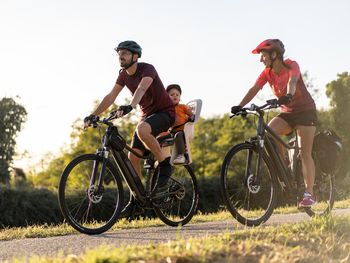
x: 249, y: 198
x: 180, y: 203
x: 88, y: 208
x: 324, y: 190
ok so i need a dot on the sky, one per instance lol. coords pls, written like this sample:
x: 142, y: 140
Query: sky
x: 58, y: 55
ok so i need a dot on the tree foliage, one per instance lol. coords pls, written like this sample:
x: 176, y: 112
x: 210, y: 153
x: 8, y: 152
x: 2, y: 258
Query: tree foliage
x: 338, y: 91
x: 12, y: 116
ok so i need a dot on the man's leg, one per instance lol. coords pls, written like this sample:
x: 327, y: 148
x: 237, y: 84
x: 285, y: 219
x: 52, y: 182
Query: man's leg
x: 138, y: 147
x: 135, y: 161
x: 146, y: 131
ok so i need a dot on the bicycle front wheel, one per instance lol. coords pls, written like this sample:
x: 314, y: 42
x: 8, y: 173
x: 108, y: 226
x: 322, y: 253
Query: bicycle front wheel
x: 87, y: 205
x: 249, y: 195
x: 324, y: 190
x: 180, y: 204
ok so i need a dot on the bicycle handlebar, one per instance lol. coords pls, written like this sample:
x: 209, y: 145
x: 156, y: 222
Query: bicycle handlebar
x: 107, y: 120
x: 270, y: 104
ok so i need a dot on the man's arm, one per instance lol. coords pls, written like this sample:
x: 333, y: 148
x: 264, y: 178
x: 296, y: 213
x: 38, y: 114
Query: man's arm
x: 145, y: 83
x: 108, y: 99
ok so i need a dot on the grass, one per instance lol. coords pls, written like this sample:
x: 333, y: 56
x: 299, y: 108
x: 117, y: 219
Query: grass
x: 64, y: 229
x: 324, y: 239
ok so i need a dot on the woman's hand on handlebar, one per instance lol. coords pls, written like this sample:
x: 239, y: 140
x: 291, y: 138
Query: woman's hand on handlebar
x: 236, y: 109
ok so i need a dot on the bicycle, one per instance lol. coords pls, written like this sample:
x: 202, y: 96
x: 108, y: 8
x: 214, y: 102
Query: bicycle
x: 253, y: 173
x: 91, y: 193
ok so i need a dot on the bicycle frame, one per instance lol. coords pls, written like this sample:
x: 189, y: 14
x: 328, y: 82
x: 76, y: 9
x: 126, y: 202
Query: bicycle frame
x: 125, y: 168
x: 139, y: 191
x: 129, y: 174
x: 265, y: 137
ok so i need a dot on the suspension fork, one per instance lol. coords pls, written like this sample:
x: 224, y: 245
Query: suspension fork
x: 248, y: 164
x: 260, y: 144
x: 104, y: 154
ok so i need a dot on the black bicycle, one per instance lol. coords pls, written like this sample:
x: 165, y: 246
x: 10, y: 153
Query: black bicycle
x: 91, y: 194
x: 253, y: 172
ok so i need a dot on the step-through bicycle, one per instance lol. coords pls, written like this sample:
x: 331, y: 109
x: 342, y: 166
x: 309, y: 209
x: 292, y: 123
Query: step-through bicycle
x: 91, y: 194
x: 253, y: 174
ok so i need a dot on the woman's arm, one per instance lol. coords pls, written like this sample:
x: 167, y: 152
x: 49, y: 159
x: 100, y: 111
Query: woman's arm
x: 292, y: 84
x: 250, y: 95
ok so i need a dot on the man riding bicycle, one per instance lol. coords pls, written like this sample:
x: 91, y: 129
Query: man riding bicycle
x: 298, y: 107
x: 158, y: 111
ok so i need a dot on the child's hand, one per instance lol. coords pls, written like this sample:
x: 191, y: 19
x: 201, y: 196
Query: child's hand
x: 191, y: 118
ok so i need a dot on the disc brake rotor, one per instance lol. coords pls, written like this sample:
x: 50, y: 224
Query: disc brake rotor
x: 94, y: 196
x: 252, y: 186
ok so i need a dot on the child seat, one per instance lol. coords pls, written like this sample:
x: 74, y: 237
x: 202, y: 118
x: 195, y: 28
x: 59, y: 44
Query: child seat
x: 196, y: 107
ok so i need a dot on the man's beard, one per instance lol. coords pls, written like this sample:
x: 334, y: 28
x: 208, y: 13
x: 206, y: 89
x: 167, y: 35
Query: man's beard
x: 123, y: 63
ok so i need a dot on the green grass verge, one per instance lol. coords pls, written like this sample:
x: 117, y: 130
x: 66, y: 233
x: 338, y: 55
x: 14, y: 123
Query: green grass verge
x: 324, y: 239
x: 65, y: 229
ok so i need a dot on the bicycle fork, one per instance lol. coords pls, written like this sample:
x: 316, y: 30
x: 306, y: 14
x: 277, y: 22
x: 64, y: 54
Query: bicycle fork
x: 252, y: 174
x: 95, y: 191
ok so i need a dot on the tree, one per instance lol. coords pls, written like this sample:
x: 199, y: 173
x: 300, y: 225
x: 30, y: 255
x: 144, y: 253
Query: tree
x: 12, y: 116
x: 338, y: 91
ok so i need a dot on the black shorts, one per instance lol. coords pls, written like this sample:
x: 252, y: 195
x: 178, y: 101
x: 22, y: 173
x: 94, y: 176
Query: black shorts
x: 305, y: 118
x: 159, y: 122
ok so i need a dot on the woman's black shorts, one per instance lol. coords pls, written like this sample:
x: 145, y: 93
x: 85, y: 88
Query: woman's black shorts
x: 305, y: 118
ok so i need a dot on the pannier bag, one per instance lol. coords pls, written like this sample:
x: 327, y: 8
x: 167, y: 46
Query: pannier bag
x: 327, y: 148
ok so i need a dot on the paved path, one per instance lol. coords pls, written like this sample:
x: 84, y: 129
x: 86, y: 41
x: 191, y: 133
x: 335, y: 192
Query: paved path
x: 77, y: 244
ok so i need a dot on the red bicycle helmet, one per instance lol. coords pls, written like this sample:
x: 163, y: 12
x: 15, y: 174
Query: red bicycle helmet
x: 270, y: 45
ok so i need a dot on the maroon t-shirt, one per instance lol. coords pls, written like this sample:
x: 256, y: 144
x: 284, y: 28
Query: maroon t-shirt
x: 156, y: 99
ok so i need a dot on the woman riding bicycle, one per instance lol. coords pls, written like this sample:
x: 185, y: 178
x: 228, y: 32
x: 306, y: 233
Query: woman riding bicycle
x: 298, y: 110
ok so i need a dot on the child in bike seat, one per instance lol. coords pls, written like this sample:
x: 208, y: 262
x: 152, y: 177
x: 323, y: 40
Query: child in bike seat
x: 183, y: 113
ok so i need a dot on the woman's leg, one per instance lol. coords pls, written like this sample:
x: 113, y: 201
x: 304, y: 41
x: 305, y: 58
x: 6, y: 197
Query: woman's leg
x: 306, y: 137
x: 281, y: 127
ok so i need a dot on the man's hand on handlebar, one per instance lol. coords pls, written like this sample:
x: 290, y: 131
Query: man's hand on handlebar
x: 123, y: 110
x: 88, y: 120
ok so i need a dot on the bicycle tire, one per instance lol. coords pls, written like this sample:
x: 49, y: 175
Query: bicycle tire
x: 87, y: 209
x: 178, y: 209
x: 250, y: 203
x: 324, y: 190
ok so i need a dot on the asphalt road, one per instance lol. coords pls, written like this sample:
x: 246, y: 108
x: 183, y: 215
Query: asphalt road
x: 77, y: 244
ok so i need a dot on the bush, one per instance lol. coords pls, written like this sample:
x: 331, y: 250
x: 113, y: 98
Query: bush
x: 210, y: 198
x: 22, y: 207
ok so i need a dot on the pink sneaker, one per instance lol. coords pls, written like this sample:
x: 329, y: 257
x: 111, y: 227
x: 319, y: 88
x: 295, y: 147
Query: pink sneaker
x: 308, y: 200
